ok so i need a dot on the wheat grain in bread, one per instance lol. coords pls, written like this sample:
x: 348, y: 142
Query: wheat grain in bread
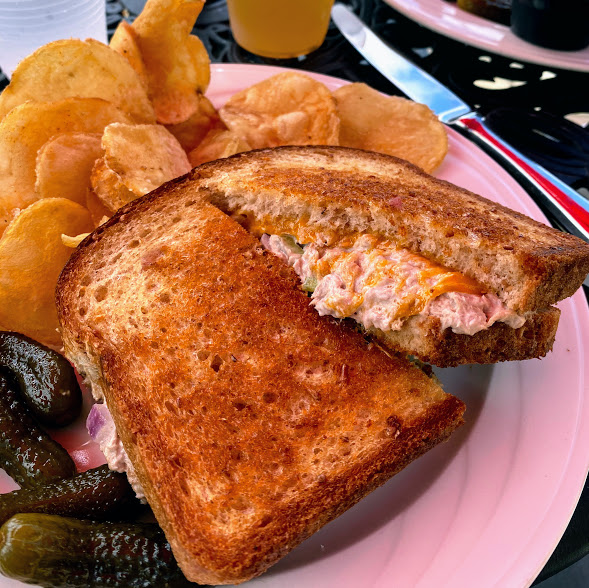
x: 250, y: 420
x: 333, y: 192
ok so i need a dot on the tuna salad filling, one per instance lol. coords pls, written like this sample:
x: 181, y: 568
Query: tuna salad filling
x: 102, y: 430
x: 380, y: 286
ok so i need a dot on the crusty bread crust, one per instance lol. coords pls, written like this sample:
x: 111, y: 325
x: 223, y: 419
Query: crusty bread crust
x: 423, y: 337
x: 529, y: 265
x: 250, y: 420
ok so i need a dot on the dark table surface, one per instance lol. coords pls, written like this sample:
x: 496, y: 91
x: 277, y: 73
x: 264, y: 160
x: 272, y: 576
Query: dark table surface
x: 531, y: 106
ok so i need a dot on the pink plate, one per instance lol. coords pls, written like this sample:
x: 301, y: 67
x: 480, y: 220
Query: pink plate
x: 488, y: 507
x: 449, y: 20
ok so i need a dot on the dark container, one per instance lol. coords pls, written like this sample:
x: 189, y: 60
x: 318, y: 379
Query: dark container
x: 496, y: 10
x: 554, y: 24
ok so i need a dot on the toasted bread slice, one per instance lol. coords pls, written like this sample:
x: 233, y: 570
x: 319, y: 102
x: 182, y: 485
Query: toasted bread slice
x: 424, y: 338
x: 250, y: 420
x: 333, y: 192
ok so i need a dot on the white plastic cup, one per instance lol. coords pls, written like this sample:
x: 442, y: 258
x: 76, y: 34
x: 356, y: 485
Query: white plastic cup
x: 26, y: 25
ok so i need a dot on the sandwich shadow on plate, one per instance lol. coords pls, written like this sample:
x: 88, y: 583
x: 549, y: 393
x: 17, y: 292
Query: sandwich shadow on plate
x: 470, y: 383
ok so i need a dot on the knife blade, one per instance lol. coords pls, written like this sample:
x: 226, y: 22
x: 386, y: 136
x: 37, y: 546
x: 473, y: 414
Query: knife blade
x: 564, y: 204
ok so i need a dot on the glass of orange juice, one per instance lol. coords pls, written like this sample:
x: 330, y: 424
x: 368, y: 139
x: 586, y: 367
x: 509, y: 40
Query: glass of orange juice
x: 279, y: 28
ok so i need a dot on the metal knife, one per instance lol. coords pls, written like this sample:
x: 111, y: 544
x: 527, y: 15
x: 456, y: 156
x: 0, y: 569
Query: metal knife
x: 568, y: 208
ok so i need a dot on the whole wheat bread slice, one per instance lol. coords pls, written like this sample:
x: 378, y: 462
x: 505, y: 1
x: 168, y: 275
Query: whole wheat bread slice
x: 250, y: 420
x: 425, y: 338
x: 332, y: 192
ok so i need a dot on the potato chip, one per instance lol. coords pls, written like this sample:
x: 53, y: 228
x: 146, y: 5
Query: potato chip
x: 137, y: 159
x: 143, y: 156
x: 64, y: 165
x: 177, y: 62
x: 73, y: 241
x: 27, y: 128
x: 32, y: 256
x: 192, y: 131
x: 82, y: 69
x: 109, y: 188
x: 97, y: 209
x: 390, y: 124
x: 124, y: 41
x: 289, y: 108
x: 217, y: 144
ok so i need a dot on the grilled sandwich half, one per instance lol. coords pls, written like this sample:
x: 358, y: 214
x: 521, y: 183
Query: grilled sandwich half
x: 428, y: 268
x: 249, y: 421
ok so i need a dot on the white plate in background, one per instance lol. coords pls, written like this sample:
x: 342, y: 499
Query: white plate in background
x: 447, y: 19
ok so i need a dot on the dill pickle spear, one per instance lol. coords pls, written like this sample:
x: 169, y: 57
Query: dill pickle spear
x: 99, y: 493
x: 27, y: 453
x: 46, y: 379
x: 53, y: 551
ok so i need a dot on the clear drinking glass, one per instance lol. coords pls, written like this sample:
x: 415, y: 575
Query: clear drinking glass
x: 26, y: 25
x: 279, y: 28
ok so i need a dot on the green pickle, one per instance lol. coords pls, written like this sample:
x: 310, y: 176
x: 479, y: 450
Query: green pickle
x: 292, y: 244
x: 310, y: 284
x: 27, y: 453
x: 46, y: 379
x: 37, y: 544
x: 54, y: 551
x: 99, y: 493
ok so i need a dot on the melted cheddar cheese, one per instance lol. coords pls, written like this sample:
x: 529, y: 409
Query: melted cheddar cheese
x: 372, y: 272
x: 378, y: 285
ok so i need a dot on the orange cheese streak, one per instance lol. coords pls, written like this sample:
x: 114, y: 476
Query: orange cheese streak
x: 381, y: 261
x: 299, y: 229
x: 433, y: 279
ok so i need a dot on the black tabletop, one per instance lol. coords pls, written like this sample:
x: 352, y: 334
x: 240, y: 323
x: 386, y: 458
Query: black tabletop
x: 528, y: 105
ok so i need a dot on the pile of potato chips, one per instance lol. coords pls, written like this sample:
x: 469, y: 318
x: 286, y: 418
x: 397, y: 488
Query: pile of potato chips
x: 85, y: 128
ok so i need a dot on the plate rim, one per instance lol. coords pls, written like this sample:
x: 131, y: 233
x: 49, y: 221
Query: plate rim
x: 415, y: 10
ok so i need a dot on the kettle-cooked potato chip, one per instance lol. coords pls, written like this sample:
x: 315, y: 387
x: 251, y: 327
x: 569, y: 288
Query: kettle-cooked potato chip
x: 390, y: 124
x: 289, y: 108
x: 192, y: 131
x: 82, y: 69
x: 124, y: 41
x: 64, y: 165
x: 177, y: 62
x: 97, y: 209
x: 143, y: 156
x: 216, y: 145
x: 137, y: 159
x: 32, y: 256
x: 26, y: 128
x: 108, y: 188
x: 72, y: 241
